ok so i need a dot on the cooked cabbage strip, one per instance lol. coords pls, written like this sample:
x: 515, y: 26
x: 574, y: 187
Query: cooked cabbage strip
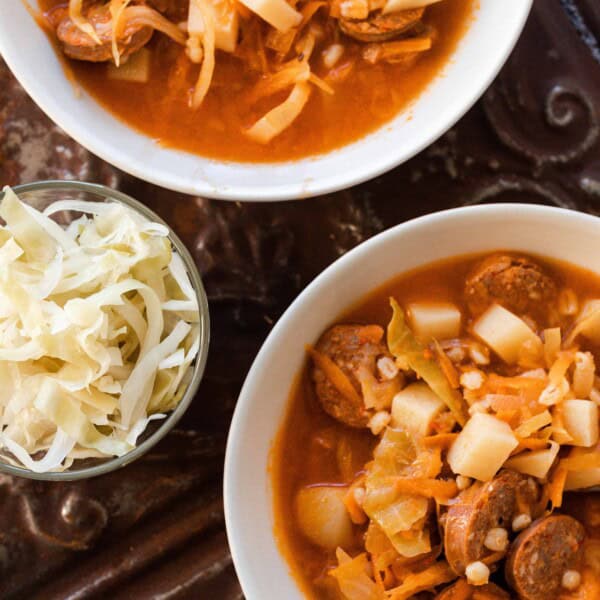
x: 75, y: 8
x: 116, y: 9
x: 208, y: 58
x: 405, y: 347
x: 281, y: 117
x: 277, y: 13
x: 144, y: 15
x: 83, y: 310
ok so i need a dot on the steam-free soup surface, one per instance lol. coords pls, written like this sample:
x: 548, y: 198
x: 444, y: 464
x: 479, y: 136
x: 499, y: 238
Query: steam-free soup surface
x: 314, y: 449
x: 366, y: 96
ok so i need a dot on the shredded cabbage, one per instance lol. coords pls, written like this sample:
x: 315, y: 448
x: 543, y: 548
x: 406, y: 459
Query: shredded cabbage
x: 405, y: 347
x: 98, y: 329
x: 400, y: 516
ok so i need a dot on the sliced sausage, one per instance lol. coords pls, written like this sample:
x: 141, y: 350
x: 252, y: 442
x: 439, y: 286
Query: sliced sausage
x: 80, y: 46
x: 379, y: 27
x: 541, y: 554
x: 462, y: 590
x: 481, y: 508
x: 351, y: 347
x: 515, y: 282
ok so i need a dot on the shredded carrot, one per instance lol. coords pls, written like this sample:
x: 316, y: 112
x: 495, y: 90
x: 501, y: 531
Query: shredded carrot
x: 530, y: 444
x: 524, y: 503
x: 416, y: 44
x: 556, y: 485
x: 429, y: 488
x: 490, y: 559
x: 461, y: 590
x: 508, y: 416
x: 335, y: 375
x: 561, y: 366
x: 441, y: 440
x: 446, y: 365
x: 500, y: 402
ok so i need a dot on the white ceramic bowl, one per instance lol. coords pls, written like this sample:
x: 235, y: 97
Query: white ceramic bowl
x: 263, y: 402
x: 480, y: 55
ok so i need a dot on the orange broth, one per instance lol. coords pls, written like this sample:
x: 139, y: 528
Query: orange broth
x: 300, y: 458
x: 370, y: 96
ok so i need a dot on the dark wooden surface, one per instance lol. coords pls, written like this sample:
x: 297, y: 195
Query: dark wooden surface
x: 155, y: 529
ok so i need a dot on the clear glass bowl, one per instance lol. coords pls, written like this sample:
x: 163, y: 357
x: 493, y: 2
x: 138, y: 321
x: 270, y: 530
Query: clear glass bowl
x: 40, y: 195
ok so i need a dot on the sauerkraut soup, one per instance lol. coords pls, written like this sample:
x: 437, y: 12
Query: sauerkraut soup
x: 255, y: 80
x: 442, y: 439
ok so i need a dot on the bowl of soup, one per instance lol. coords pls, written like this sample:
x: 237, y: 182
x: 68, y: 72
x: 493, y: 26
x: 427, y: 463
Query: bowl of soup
x: 423, y: 419
x: 270, y: 100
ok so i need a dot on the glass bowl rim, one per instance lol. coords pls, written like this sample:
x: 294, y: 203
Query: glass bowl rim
x: 111, y: 464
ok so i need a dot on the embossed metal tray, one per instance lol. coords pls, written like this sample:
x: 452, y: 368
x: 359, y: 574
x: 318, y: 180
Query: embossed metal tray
x: 155, y: 529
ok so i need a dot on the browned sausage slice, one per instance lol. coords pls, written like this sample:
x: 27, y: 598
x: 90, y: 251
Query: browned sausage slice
x: 351, y: 347
x: 517, y: 283
x: 461, y: 590
x: 80, y: 46
x: 480, y: 509
x: 379, y: 27
x: 541, y: 554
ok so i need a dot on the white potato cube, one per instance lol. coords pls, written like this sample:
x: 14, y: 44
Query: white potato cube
x: 434, y: 320
x: 579, y: 480
x: 482, y: 447
x: 226, y: 23
x: 589, y: 316
x: 581, y: 421
x: 536, y: 463
x: 415, y: 408
x: 136, y: 68
x: 323, y: 517
x: 277, y: 13
x: 504, y: 333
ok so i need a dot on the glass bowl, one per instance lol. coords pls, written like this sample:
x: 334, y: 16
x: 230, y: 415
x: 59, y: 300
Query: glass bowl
x: 40, y: 195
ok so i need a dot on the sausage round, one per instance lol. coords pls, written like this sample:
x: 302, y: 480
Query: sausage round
x: 463, y: 590
x: 351, y: 347
x: 541, y: 554
x: 515, y: 282
x: 480, y: 509
x: 379, y: 27
x: 80, y: 46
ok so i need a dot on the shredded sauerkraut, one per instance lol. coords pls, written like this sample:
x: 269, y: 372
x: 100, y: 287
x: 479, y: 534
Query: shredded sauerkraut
x: 99, y: 325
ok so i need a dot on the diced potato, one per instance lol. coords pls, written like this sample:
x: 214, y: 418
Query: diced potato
x: 136, y: 68
x: 578, y: 480
x: 322, y: 516
x: 226, y: 24
x: 589, y: 317
x: 277, y: 13
x: 434, y: 320
x: 536, y: 463
x: 581, y: 421
x: 415, y: 408
x: 482, y: 447
x: 505, y: 333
